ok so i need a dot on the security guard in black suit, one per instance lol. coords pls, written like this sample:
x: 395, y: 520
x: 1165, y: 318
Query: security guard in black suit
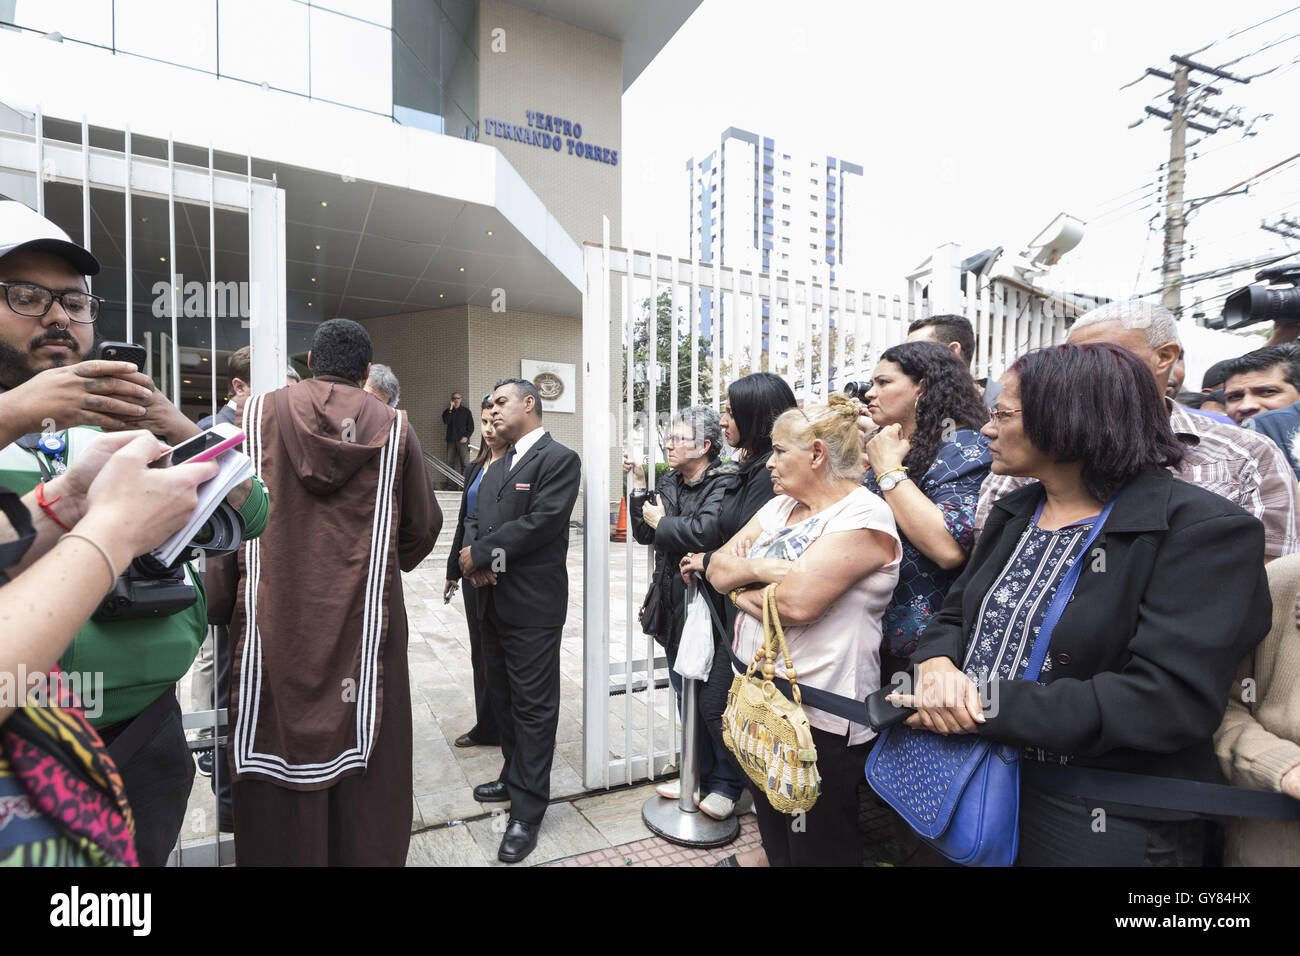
x: 515, y: 549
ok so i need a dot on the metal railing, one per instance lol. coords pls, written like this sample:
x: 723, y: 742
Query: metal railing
x: 442, y: 468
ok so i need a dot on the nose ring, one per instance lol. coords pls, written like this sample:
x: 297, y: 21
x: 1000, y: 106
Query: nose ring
x: 61, y: 328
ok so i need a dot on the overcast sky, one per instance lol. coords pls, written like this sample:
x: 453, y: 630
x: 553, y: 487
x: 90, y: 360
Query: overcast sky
x: 978, y: 123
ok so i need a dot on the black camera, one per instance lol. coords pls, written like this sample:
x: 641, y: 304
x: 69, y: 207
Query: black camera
x: 857, y: 390
x: 1259, y: 303
x: 148, y: 588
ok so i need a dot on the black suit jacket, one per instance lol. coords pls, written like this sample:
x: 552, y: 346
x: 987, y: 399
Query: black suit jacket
x: 458, y: 541
x: 521, y: 531
x: 1144, y: 656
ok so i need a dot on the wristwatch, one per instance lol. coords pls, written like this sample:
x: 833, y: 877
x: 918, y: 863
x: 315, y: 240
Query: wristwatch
x: 890, y: 479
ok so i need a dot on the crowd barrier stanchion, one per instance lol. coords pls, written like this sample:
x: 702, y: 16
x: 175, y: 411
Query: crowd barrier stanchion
x: 681, y: 821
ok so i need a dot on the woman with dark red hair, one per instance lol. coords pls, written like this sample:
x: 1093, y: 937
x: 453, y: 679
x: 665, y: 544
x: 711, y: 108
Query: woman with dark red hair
x: 1171, y: 596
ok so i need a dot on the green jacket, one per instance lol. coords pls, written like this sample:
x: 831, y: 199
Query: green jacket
x: 136, y: 661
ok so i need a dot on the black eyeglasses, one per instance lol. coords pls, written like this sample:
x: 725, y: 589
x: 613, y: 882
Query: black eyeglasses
x: 34, y: 301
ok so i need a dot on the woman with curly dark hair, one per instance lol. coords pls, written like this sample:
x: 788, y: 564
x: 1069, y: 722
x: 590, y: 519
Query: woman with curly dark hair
x: 927, y: 460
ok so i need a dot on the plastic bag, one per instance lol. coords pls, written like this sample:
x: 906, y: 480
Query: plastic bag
x: 695, y: 652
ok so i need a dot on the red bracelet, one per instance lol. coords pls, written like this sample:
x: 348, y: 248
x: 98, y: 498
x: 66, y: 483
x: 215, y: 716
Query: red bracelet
x: 46, y: 506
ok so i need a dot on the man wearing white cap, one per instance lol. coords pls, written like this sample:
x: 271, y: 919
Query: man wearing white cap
x: 47, y: 320
x: 39, y: 262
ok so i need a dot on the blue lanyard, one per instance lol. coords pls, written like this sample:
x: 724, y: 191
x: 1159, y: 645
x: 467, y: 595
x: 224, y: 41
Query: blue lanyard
x: 1063, y: 593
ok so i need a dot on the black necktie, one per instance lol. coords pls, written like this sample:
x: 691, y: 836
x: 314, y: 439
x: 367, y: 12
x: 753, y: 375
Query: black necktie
x: 510, y: 458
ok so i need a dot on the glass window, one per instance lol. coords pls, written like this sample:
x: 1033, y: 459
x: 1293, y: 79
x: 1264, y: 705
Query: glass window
x: 351, y: 62
x: 460, y: 124
x: 459, y: 71
x: 414, y: 86
x: 463, y: 15
x: 180, y: 33
x: 418, y: 92
x: 88, y: 20
x: 265, y: 41
x: 376, y: 11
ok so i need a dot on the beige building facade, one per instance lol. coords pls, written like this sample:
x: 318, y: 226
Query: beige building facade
x: 429, y: 168
x: 549, y: 95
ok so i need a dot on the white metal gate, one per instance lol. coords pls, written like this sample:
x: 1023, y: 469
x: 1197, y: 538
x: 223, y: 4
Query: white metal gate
x: 773, y: 323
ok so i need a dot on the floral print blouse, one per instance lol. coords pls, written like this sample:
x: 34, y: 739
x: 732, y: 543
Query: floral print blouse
x: 953, y: 483
x: 1014, y: 608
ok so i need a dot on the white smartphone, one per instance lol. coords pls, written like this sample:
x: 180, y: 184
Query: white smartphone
x: 201, y: 447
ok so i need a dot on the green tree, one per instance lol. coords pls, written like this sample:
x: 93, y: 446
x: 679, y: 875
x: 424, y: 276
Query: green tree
x: 664, y: 343
x: 799, y: 359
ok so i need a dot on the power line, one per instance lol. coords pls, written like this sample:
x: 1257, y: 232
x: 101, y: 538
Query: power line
x: 1227, y: 270
x: 1234, y: 186
x: 1267, y: 46
x: 1154, y: 194
x: 1237, y: 33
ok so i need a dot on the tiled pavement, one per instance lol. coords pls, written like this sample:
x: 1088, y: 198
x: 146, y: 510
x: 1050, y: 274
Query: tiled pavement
x: 654, y: 851
x: 603, y: 828
x: 442, y: 697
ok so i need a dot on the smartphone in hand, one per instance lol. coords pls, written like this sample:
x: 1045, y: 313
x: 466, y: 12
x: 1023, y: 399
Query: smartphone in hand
x: 123, y: 352
x: 201, y: 447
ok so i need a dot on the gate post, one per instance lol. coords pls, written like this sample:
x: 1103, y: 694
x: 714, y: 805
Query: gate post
x: 595, y: 515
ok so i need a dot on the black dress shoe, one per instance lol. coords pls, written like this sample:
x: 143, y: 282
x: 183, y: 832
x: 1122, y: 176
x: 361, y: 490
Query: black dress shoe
x: 465, y: 740
x: 494, y: 792
x: 519, y: 841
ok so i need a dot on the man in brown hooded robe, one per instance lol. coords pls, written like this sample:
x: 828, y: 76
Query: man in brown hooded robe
x: 319, y: 696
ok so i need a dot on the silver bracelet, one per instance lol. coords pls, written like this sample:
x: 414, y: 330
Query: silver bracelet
x: 98, y: 547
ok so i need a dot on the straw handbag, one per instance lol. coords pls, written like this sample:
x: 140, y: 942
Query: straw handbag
x: 769, y: 734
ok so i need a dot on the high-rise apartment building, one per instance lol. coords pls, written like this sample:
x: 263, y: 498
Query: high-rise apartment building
x: 779, y: 210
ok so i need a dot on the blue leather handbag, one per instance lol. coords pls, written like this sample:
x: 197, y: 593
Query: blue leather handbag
x: 961, y: 793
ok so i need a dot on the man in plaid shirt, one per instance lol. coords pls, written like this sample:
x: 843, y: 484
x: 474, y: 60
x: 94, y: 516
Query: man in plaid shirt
x: 1243, y: 466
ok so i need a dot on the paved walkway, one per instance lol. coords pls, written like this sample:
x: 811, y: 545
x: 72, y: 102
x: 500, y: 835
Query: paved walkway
x: 600, y: 830
x: 449, y: 824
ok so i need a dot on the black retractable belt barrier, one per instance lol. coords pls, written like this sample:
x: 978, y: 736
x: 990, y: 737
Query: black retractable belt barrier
x: 1136, y: 789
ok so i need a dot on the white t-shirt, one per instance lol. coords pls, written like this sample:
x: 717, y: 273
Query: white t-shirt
x: 840, y: 651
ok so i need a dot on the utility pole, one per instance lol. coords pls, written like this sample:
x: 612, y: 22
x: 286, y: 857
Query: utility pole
x: 1285, y: 226
x: 1171, y: 272
x: 1188, y: 100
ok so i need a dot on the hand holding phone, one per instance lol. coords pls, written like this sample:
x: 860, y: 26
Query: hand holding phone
x: 124, y: 352
x: 202, y: 447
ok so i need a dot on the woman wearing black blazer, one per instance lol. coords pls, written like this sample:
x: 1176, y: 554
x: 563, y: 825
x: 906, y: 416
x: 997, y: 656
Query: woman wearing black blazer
x: 1172, y: 596
x: 754, y: 402
x: 484, y: 730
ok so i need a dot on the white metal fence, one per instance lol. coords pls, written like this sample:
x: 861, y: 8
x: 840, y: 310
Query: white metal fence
x: 758, y: 321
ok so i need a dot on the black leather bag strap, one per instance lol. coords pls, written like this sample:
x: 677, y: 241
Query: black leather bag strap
x: 846, y: 707
x: 1166, y: 793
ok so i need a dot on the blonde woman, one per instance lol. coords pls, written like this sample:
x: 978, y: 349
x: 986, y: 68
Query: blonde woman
x: 833, y: 551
